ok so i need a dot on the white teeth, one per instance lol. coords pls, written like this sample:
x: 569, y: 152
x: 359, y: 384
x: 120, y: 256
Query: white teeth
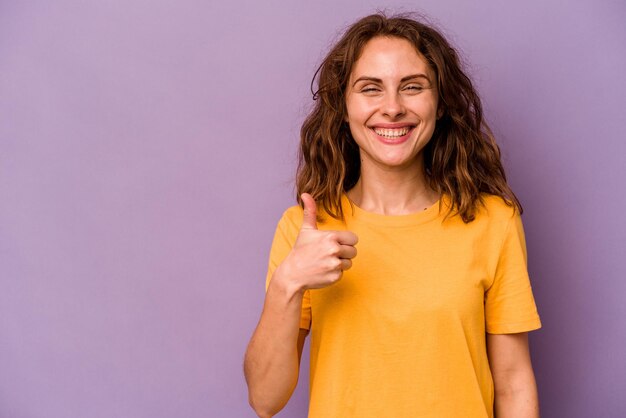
x: 391, y: 133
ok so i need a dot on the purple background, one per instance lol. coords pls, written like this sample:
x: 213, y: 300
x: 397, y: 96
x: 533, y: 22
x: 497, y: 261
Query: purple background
x: 148, y: 150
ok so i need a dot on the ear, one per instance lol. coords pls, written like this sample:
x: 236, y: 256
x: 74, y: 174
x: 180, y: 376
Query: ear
x: 440, y: 112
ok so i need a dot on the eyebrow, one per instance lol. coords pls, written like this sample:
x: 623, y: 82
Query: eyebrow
x: 378, y: 80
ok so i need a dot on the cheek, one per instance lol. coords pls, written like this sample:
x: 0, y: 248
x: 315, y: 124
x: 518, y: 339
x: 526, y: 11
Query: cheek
x: 356, y: 129
x: 425, y: 104
x: 358, y: 110
x: 427, y: 110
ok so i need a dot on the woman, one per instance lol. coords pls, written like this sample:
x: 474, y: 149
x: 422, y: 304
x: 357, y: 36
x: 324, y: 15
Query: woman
x: 430, y: 319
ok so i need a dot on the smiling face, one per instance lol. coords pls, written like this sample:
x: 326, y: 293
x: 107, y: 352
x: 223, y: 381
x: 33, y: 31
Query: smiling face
x: 391, y: 102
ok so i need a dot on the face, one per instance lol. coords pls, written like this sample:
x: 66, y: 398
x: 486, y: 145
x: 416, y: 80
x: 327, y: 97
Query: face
x: 391, y: 102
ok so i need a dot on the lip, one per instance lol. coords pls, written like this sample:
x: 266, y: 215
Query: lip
x: 393, y: 125
x: 393, y: 141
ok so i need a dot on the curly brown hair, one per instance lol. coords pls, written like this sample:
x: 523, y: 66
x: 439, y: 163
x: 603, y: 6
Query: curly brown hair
x: 462, y: 158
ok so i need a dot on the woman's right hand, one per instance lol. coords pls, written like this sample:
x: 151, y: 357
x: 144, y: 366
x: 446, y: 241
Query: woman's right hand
x: 318, y: 258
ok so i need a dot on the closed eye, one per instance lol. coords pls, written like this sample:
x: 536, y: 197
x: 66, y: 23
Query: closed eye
x: 414, y: 87
x: 369, y: 89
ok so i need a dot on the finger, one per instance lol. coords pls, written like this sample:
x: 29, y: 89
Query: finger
x: 347, y: 251
x: 345, y: 264
x: 310, y: 212
x: 347, y: 238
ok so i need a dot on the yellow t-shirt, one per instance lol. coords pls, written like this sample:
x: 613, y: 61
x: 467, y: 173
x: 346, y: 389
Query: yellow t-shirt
x: 402, y: 334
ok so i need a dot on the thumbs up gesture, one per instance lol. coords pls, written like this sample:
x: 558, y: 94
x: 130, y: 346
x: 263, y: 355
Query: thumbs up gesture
x: 318, y: 258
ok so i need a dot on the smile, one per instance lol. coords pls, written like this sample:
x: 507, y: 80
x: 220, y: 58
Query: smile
x: 393, y: 136
x: 392, y: 133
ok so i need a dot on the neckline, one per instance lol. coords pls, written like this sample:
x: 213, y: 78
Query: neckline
x: 411, y: 219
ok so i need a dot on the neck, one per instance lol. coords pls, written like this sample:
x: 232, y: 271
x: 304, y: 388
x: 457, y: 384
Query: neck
x: 393, y: 192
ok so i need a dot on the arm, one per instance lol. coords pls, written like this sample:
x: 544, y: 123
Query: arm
x: 317, y: 259
x: 272, y: 360
x: 513, y: 377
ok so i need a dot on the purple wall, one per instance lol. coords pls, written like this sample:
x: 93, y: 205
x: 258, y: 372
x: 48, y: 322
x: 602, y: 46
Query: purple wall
x: 147, y: 150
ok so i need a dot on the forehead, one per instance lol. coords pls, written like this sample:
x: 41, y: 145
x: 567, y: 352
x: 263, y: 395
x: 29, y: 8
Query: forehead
x: 389, y: 57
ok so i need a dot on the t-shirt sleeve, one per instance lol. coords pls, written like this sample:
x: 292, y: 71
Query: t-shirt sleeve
x: 284, y: 239
x: 509, y: 302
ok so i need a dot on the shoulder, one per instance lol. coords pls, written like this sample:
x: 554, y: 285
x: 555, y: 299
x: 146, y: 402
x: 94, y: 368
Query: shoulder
x: 291, y: 218
x: 489, y: 210
x: 493, y: 216
x: 496, y: 208
x: 293, y: 213
x: 287, y: 228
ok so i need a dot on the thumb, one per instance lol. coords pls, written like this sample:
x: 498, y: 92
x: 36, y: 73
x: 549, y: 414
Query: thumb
x: 310, y: 212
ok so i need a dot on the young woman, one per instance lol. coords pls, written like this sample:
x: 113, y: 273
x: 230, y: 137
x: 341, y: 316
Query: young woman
x: 430, y: 317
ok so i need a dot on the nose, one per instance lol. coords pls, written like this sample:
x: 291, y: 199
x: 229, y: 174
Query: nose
x: 393, y: 106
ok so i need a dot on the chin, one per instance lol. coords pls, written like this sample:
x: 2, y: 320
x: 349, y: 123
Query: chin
x: 398, y: 162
